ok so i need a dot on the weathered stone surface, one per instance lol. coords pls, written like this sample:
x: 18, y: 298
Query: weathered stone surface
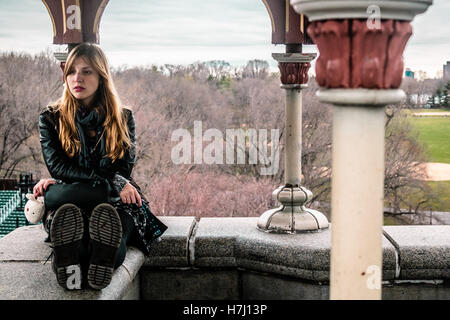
x: 424, y: 251
x: 416, y: 290
x: 189, y: 284
x: 36, y: 281
x: 235, y: 242
x: 134, y: 290
x: 214, y: 241
x: 172, y: 250
x: 25, y: 245
x: 25, y: 275
x: 258, y: 286
x: 228, y: 258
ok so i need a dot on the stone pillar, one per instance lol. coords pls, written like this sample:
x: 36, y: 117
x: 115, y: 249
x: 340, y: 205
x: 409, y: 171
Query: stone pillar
x: 292, y: 216
x: 359, y: 71
x: 357, y: 190
x: 62, y: 58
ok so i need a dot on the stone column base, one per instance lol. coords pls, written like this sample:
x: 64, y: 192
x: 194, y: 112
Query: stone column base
x: 292, y: 216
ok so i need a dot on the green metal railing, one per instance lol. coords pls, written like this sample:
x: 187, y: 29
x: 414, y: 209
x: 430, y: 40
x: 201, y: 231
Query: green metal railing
x: 9, y: 201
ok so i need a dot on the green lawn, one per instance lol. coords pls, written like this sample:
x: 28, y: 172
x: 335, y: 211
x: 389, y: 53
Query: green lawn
x: 435, y: 134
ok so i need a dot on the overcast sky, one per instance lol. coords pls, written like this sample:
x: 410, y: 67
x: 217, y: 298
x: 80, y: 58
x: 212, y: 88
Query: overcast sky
x: 146, y: 32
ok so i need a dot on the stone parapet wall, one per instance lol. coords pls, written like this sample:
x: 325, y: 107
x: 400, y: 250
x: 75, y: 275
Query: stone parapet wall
x: 409, y: 252
x: 228, y: 258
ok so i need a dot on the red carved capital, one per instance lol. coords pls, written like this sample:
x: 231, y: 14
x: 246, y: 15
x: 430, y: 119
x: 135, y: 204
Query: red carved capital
x: 294, y: 72
x: 333, y: 42
x: 355, y: 55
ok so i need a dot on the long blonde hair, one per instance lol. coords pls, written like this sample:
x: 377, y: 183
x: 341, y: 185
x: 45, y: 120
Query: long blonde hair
x: 107, y: 101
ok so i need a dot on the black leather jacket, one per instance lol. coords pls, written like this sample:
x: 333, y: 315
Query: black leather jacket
x: 66, y: 169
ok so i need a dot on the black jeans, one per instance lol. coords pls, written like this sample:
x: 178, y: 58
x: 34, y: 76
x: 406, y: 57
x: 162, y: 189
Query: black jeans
x: 128, y: 237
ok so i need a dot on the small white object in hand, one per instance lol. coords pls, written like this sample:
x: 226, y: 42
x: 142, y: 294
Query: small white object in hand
x: 34, y: 208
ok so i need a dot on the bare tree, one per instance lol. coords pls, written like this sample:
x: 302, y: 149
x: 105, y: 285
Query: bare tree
x: 172, y: 97
x: 198, y: 71
x: 256, y: 69
x: 418, y: 91
x: 218, y: 68
x: 316, y: 145
x: 27, y: 84
x: 404, y: 183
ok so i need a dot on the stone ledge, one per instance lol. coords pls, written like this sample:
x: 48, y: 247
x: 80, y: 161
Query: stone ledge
x: 173, y: 249
x: 424, y: 251
x: 26, y: 276
x: 235, y: 242
x: 409, y: 253
x: 230, y: 259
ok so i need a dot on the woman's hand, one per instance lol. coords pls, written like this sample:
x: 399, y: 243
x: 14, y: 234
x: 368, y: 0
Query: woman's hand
x: 41, y: 186
x: 130, y: 195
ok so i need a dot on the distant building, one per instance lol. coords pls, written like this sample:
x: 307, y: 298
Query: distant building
x: 409, y: 73
x: 446, y: 73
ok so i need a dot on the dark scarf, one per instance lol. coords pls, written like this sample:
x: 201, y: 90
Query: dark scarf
x: 90, y: 120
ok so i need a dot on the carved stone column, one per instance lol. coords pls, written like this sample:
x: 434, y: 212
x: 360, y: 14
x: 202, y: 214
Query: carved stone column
x: 359, y: 71
x: 292, y: 216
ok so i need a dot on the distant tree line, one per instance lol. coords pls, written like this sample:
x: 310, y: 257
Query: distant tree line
x: 441, y: 97
x: 222, y: 96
